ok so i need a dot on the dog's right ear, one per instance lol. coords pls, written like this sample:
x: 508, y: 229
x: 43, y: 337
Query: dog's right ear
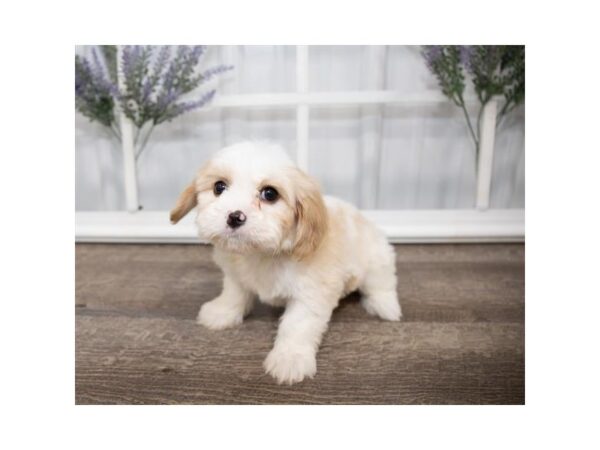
x: 185, y: 203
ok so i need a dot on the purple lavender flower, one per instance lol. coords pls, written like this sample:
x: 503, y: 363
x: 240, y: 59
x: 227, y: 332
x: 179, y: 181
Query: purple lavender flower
x: 147, y: 89
x: 432, y: 54
x: 197, y: 51
x: 466, y: 53
x: 171, y: 73
x: 183, y: 107
x: 94, y: 93
x: 83, y: 76
x: 127, y: 60
x: 208, y: 74
x: 156, y: 79
x: 100, y: 74
x: 161, y: 61
x: 98, y: 69
x: 167, y: 98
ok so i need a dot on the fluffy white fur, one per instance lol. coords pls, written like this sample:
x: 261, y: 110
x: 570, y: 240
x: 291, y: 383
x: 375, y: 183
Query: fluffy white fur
x: 303, y: 251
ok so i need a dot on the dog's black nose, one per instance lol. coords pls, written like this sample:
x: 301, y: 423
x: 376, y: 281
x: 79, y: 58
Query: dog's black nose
x: 236, y: 219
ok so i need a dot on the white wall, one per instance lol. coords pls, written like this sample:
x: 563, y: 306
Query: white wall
x: 425, y: 159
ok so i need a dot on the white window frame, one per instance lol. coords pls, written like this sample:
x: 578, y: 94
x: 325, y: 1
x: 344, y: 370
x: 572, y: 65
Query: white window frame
x: 473, y: 225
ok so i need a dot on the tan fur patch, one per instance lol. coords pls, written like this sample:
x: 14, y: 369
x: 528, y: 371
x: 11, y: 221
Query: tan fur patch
x: 185, y: 203
x: 311, y: 215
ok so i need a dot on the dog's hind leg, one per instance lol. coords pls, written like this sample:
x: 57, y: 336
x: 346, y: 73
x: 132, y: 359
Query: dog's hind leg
x: 378, y: 289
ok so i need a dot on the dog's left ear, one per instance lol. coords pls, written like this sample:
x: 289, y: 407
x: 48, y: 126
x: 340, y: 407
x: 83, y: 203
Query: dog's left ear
x: 311, y: 215
x: 185, y: 203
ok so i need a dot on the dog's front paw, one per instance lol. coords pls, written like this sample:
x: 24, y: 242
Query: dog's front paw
x: 218, y: 316
x: 289, y: 364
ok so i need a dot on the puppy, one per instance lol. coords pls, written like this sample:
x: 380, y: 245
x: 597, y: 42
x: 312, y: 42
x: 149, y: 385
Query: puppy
x: 277, y: 238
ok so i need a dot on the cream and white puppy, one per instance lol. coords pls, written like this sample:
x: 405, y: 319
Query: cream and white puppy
x: 277, y: 238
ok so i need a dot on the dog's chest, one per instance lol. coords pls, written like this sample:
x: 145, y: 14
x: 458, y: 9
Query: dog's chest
x: 272, y: 280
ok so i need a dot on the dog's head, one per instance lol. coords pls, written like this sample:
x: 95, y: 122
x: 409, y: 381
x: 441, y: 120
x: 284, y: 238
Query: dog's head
x: 251, y: 197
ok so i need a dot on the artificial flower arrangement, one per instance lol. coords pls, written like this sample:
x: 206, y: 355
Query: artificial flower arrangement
x: 155, y: 80
x: 495, y: 70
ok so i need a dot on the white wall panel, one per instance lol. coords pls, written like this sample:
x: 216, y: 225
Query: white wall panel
x: 98, y: 168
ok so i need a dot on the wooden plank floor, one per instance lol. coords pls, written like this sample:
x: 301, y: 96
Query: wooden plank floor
x: 461, y: 340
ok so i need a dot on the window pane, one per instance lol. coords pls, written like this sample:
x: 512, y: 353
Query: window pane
x: 257, y: 68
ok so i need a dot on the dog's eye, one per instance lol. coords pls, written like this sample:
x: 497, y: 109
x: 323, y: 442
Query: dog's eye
x: 219, y: 187
x: 269, y: 194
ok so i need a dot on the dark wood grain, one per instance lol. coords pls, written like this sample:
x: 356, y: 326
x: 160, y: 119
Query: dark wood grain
x: 461, y: 340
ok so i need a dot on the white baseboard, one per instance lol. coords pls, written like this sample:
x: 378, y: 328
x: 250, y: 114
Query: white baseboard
x: 403, y: 226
